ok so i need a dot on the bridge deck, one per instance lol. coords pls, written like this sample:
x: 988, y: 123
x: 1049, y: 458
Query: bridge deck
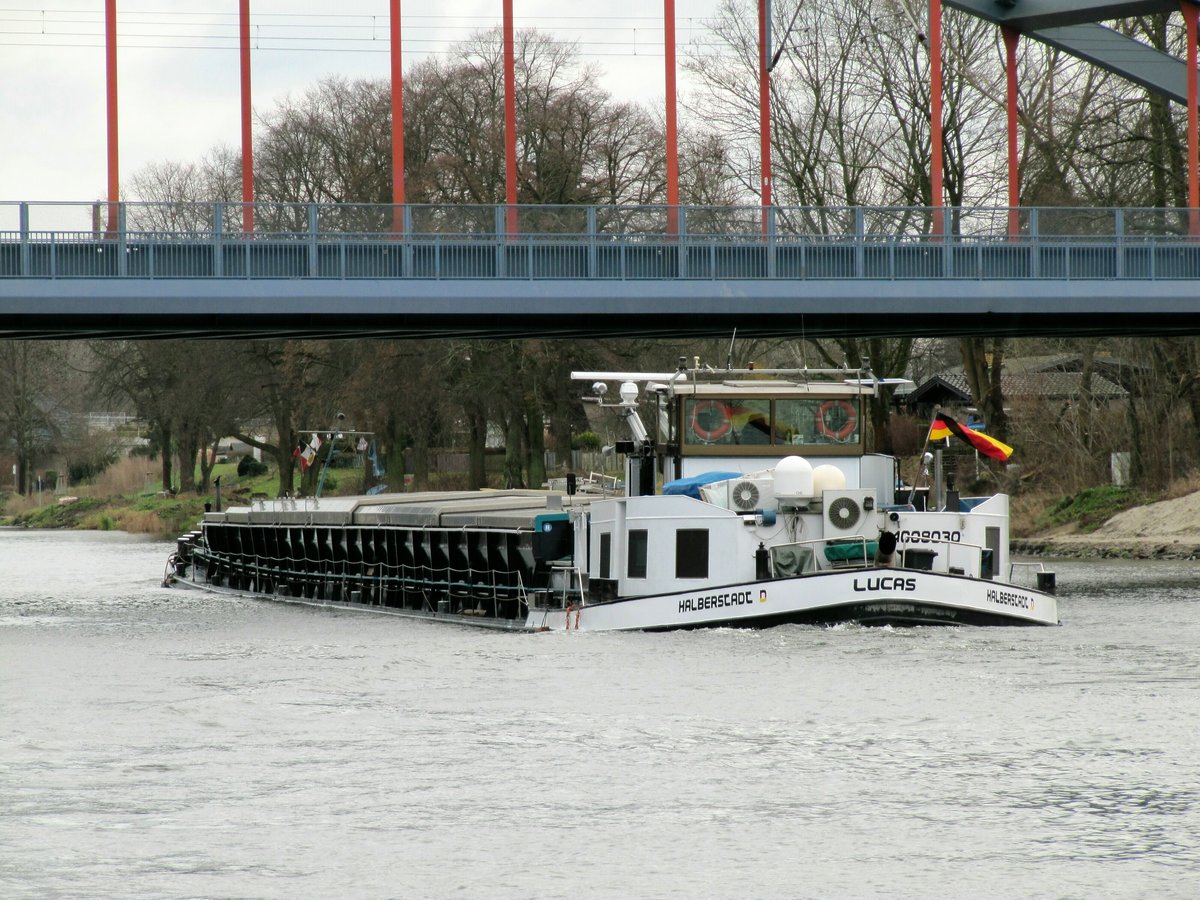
x: 1092, y: 278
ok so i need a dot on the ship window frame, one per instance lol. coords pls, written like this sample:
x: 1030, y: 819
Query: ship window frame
x: 637, y: 552
x: 690, y: 444
x: 691, y: 552
x: 605, y: 554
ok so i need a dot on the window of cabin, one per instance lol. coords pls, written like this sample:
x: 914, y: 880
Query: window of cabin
x: 707, y: 422
x: 691, y: 553
x: 638, y: 541
x: 605, y: 554
x: 807, y: 421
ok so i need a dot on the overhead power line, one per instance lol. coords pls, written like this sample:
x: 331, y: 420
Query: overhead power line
x: 593, y: 36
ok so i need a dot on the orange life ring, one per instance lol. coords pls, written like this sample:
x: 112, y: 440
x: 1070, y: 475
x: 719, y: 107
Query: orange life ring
x: 710, y: 420
x: 828, y: 415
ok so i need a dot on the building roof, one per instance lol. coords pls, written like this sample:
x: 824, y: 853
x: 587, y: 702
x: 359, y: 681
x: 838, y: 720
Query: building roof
x: 952, y: 387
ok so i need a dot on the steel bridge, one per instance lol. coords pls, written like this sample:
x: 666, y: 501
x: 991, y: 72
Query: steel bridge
x: 590, y: 271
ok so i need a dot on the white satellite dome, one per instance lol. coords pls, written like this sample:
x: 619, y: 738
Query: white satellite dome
x: 828, y: 478
x: 793, y: 478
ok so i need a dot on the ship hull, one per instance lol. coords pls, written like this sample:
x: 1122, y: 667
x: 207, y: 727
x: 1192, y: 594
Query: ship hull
x: 869, y: 596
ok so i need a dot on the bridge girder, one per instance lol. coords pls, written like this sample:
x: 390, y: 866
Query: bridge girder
x: 1031, y: 15
x: 198, y: 308
x: 1073, y: 27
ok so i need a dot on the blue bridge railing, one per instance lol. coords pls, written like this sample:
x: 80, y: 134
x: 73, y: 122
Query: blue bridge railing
x: 345, y: 241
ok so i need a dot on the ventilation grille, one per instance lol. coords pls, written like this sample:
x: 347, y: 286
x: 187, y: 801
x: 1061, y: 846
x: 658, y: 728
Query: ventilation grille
x: 744, y: 495
x: 844, y: 513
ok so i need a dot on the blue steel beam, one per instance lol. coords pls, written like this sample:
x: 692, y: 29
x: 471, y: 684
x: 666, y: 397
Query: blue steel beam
x: 1071, y: 26
x: 1122, y: 55
x: 251, y: 308
x: 1032, y: 15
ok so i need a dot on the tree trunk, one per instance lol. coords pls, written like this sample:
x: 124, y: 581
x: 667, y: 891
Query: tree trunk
x: 535, y: 446
x: 207, y: 462
x: 512, y: 452
x: 983, y: 369
x: 477, y: 450
x: 420, y: 461
x: 164, y: 433
x: 189, y: 449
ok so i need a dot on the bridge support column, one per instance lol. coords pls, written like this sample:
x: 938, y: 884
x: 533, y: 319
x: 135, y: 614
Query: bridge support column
x: 935, y: 113
x: 510, y: 120
x: 1191, y: 14
x: 1014, y: 193
x: 397, y: 68
x: 247, y: 126
x: 110, y: 68
x: 764, y: 111
x: 671, y: 131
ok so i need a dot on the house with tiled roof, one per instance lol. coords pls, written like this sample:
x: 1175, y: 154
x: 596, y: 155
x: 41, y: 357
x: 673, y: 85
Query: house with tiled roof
x: 1021, y: 380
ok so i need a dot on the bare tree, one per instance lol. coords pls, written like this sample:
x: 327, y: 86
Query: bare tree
x: 29, y: 404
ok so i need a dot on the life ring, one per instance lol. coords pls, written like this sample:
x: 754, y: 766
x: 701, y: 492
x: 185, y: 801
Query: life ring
x: 710, y: 420
x: 837, y: 419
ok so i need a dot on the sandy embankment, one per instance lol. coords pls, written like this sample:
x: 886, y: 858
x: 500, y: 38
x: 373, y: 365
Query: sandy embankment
x: 1166, y: 530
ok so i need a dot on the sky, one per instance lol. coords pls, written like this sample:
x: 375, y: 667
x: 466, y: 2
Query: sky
x: 178, y: 77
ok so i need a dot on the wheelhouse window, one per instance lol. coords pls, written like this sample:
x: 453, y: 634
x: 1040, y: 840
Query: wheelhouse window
x: 750, y: 422
x: 638, y: 542
x: 805, y: 421
x: 691, y: 553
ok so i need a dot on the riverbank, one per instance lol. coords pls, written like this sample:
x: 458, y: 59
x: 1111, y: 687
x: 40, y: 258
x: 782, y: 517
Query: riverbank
x: 1167, y: 529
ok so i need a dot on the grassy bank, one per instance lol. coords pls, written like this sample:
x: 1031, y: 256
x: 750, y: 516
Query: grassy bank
x: 129, y: 498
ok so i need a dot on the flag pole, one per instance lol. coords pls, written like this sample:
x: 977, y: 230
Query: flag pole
x: 937, y: 408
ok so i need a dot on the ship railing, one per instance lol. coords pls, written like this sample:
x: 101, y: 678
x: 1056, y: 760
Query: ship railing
x: 571, y: 595
x: 961, y: 558
x: 1036, y: 567
x: 599, y: 483
x: 416, y: 577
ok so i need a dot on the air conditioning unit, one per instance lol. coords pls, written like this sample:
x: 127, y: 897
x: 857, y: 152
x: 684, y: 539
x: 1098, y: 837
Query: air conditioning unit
x: 750, y: 494
x: 849, y: 513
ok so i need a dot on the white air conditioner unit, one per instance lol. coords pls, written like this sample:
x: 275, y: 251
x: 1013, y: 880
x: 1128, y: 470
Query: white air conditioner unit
x: 848, y: 513
x: 752, y: 493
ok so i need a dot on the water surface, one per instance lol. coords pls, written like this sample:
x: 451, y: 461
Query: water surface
x: 166, y: 743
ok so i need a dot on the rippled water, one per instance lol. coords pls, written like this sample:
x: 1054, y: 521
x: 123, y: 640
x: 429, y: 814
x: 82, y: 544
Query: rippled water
x: 174, y: 744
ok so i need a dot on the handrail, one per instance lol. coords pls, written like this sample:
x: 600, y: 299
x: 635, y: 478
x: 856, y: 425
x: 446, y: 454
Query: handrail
x: 879, y: 224
x: 295, y: 241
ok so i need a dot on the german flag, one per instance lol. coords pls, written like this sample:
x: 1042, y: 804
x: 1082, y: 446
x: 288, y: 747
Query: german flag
x: 944, y: 426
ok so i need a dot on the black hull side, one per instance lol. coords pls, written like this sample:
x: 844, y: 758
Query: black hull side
x: 874, y: 614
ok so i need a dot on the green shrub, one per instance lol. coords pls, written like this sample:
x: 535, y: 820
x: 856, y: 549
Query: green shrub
x: 1092, y: 507
x: 249, y: 467
x: 586, y: 440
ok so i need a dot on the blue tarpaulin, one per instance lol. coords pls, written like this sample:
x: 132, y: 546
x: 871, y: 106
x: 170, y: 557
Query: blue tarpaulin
x: 690, y: 487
